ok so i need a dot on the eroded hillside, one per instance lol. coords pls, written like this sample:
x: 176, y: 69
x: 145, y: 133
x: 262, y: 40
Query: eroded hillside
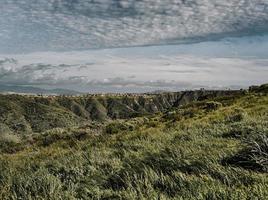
x: 22, y: 114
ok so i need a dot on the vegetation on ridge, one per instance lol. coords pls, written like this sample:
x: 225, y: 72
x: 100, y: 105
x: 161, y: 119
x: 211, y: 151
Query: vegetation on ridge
x: 213, y: 148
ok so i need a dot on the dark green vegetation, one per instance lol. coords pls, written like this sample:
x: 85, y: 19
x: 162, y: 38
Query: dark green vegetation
x: 188, y: 145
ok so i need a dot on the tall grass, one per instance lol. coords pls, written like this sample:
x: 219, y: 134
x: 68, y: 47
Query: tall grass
x: 194, y: 152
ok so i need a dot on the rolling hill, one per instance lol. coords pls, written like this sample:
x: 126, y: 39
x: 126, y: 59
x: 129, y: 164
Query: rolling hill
x: 185, y: 145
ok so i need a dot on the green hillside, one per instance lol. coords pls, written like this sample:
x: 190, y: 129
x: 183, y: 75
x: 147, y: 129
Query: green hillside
x: 187, y: 145
x: 31, y: 114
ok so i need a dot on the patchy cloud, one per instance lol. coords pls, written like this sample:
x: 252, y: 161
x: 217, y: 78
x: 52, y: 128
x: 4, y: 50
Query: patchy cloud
x: 38, y: 25
x: 115, y: 71
x: 204, y: 43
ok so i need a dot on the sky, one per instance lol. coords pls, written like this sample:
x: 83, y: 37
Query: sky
x: 133, y: 45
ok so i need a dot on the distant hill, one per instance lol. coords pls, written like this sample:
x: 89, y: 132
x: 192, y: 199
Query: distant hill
x: 35, y: 90
x: 21, y: 113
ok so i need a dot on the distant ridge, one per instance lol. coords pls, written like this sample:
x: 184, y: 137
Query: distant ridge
x: 33, y: 113
x: 35, y: 90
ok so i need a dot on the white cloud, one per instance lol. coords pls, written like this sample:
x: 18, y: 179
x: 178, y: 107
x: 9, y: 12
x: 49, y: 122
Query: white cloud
x: 111, y: 70
x: 38, y: 25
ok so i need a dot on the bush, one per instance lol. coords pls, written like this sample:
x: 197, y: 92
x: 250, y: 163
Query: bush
x: 237, y: 115
x: 9, y: 143
x: 212, y: 105
x: 172, y: 115
x: 116, y: 127
x: 263, y: 88
x: 51, y: 136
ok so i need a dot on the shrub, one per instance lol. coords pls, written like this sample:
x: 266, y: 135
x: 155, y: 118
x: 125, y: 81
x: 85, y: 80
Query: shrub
x: 212, y: 105
x: 116, y: 127
x: 9, y: 138
x: 237, y: 115
x: 4, y: 129
x: 172, y: 115
x: 263, y: 88
x: 9, y: 143
x: 51, y: 136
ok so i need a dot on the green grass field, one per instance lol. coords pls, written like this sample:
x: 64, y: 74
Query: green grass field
x: 211, y: 149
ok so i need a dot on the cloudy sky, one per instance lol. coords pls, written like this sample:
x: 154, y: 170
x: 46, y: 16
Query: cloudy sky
x: 133, y: 45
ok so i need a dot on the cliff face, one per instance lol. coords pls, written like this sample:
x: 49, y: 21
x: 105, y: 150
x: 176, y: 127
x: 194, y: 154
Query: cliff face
x: 117, y: 107
x: 22, y: 114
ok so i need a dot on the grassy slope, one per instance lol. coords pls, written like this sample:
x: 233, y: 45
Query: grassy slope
x: 181, y: 154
